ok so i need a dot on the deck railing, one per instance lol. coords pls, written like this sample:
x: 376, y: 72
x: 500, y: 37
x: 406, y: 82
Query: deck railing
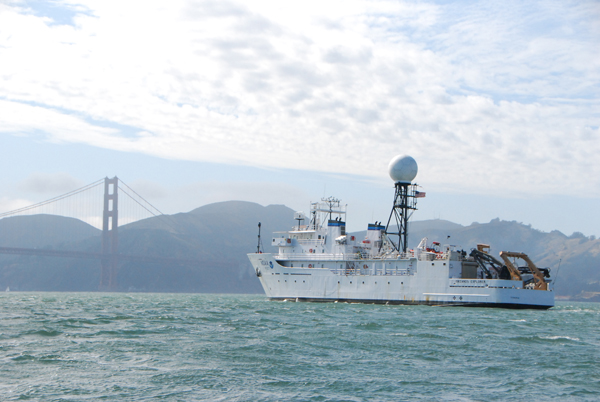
x: 340, y: 256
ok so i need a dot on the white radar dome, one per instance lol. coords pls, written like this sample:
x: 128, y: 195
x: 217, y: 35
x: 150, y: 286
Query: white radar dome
x: 403, y: 169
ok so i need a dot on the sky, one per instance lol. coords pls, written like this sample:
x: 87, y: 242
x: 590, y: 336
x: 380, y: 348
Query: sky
x: 194, y: 102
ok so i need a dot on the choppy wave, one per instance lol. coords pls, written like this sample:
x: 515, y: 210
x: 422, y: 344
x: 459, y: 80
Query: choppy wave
x: 558, y: 337
x: 245, y: 348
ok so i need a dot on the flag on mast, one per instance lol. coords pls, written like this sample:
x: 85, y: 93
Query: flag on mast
x: 419, y: 194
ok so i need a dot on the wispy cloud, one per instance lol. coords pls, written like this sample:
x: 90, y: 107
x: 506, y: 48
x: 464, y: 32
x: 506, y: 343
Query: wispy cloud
x: 485, y: 96
x: 50, y: 183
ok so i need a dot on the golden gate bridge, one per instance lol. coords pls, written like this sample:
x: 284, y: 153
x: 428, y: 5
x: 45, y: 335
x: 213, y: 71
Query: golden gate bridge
x: 82, y: 204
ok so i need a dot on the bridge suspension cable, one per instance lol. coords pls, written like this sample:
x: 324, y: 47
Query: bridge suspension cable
x: 140, y: 197
x: 154, y: 212
x: 86, y: 204
x: 51, y: 200
x: 99, y: 205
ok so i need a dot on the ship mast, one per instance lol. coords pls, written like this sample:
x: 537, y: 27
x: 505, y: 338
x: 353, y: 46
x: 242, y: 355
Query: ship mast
x: 259, y: 246
x: 404, y: 203
x: 403, y: 169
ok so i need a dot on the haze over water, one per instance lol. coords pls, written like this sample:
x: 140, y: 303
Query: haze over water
x: 91, y: 346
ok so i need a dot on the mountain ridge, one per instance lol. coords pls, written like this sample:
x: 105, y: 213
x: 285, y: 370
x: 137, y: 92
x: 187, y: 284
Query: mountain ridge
x: 219, y: 235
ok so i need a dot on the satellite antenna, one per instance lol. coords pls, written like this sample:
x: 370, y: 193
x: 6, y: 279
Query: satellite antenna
x: 403, y: 169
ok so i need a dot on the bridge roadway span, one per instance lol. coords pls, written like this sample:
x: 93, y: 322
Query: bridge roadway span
x: 95, y: 256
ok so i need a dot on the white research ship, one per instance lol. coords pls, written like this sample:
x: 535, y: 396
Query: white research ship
x: 319, y: 262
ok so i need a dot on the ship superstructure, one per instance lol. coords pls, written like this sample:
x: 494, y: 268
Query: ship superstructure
x: 318, y: 261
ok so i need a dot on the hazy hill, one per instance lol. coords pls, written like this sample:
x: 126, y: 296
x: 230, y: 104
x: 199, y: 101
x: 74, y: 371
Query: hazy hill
x: 218, y: 236
x: 210, y: 231
x: 43, y: 231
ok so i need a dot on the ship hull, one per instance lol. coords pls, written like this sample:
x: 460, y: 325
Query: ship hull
x: 380, y: 281
x: 416, y: 303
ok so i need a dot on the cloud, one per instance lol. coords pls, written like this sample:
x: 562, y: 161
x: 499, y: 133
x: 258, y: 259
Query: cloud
x: 485, y: 96
x: 521, y: 51
x: 50, y: 183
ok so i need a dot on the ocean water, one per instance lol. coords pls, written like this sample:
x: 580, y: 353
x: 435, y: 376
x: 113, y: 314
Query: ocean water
x: 194, y: 347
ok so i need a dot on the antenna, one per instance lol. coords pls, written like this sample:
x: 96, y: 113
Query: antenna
x: 331, y: 202
x: 557, y: 269
x: 259, y: 246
